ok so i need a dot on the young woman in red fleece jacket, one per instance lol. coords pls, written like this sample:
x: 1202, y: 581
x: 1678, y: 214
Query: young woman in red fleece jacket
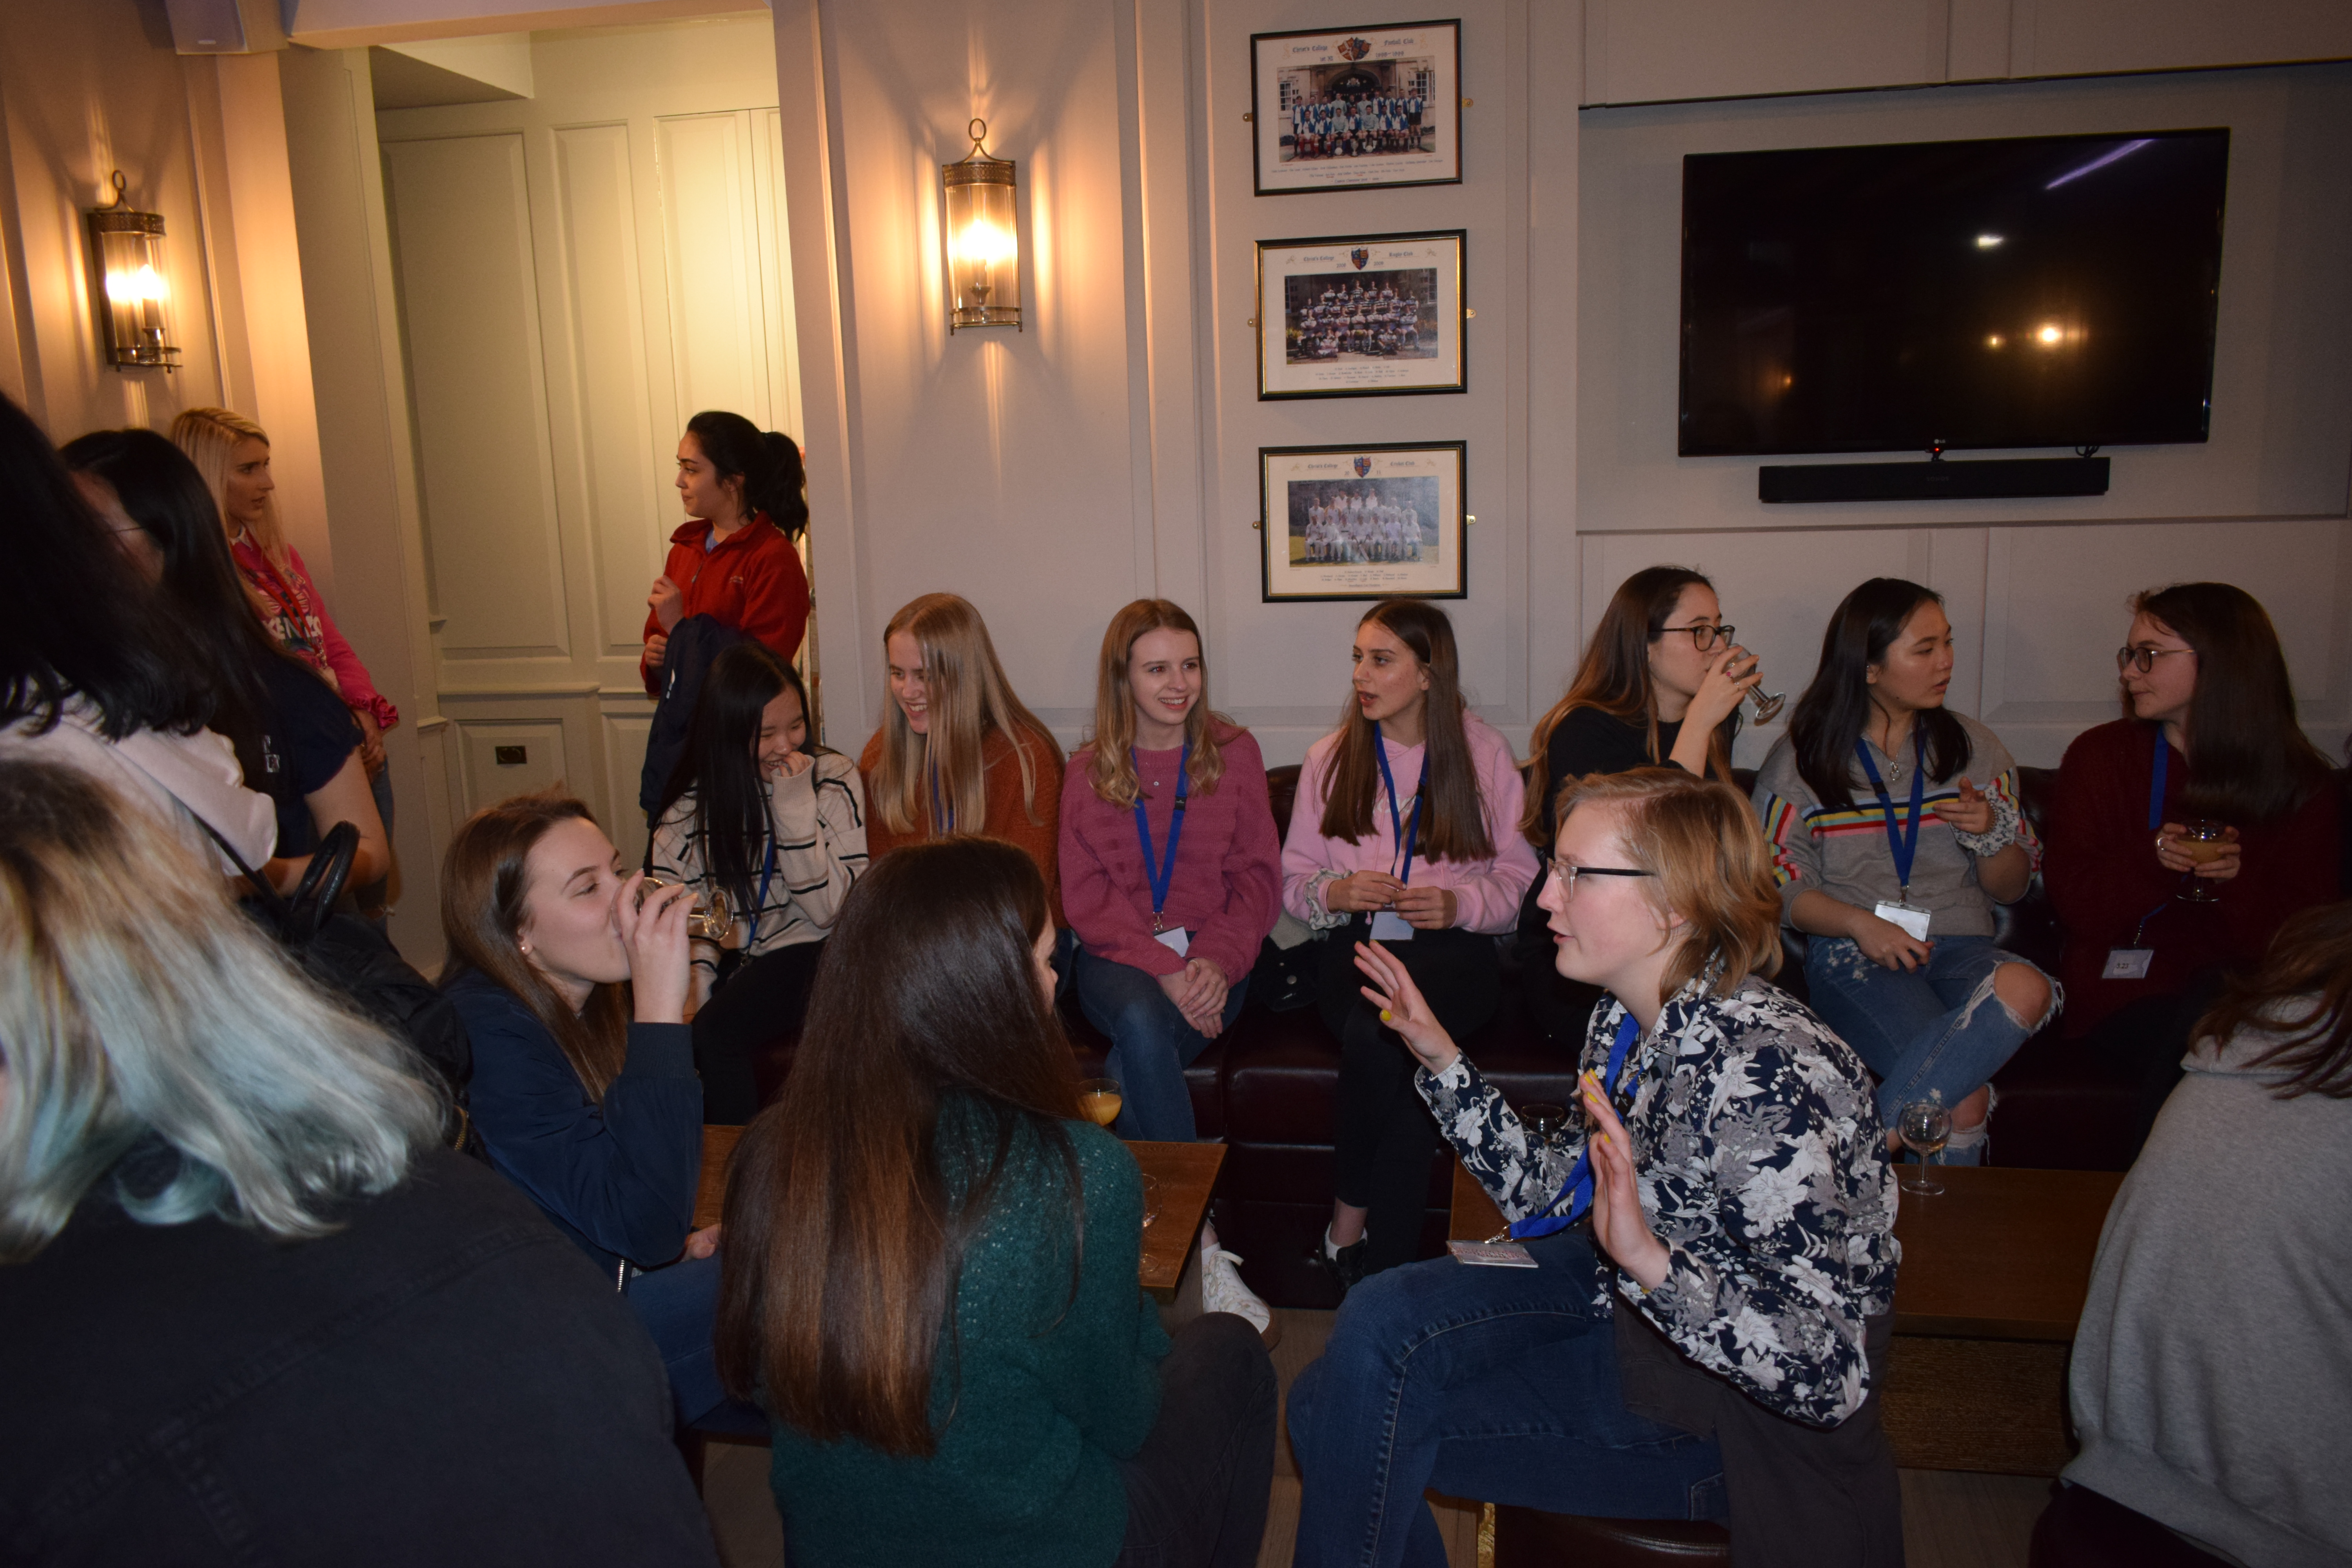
x: 736, y: 557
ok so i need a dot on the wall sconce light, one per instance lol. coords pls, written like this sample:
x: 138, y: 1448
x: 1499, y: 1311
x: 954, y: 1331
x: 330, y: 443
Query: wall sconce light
x: 127, y: 247
x: 983, y: 238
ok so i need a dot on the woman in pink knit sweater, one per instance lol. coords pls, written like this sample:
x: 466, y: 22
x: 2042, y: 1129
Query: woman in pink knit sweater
x: 1405, y: 833
x: 1168, y: 864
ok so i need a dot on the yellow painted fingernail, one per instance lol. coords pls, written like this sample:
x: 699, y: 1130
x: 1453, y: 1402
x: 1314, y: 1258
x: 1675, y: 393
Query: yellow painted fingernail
x: 1386, y: 1016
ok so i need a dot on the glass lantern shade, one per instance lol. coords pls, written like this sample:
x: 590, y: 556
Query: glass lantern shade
x: 983, y: 239
x: 135, y: 297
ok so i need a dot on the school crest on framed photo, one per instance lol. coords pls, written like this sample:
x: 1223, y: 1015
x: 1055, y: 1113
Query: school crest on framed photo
x: 1351, y: 107
x: 1360, y: 316
x: 1364, y: 523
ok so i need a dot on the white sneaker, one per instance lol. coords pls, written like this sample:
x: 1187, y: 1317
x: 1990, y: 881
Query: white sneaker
x: 1221, y: 1290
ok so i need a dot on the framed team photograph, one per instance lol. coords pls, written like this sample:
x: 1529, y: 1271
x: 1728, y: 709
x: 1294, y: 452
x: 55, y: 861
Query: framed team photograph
x: 1364, y: 523
x: 1367, y: 316
x: 1357, y: 106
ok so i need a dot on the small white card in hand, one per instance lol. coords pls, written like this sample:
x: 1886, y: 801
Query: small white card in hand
x: 2127, y: 962
x: 1390, y: 926
x: 1180, y: 938
x: 1913, y: 921
x: 1492, y: 1254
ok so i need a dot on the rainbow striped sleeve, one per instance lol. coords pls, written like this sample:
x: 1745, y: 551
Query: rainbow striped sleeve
x: 1789, y: 840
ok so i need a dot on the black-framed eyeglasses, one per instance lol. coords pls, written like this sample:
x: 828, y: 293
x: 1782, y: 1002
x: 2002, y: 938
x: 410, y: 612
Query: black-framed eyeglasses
x: 1568, y: 871
x: 1703, y: 636
x: 2144, y: 658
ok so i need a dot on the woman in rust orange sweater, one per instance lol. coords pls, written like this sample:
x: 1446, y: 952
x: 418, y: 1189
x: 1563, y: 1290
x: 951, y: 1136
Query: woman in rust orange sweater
x: 956, y: 752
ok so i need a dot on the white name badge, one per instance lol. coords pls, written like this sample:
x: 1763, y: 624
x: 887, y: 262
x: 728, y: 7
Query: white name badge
x: 2127, y: 962
x: 1390, y: 926
x: 1913, y: 921
x: 1492, y: 1254
x: 1180, y: 938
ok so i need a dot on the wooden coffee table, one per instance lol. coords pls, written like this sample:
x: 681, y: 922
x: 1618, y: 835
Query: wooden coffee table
x: 1187, y: 1174
x: 1993, y: 1275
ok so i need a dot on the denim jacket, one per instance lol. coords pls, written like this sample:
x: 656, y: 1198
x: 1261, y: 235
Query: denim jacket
x: 1764, y: 1170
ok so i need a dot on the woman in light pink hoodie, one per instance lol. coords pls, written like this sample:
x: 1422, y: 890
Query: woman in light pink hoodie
x: 1403, y: 833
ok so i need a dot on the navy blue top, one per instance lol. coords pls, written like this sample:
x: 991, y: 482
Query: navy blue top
x: 619, y: 1179
x: 307, y: 737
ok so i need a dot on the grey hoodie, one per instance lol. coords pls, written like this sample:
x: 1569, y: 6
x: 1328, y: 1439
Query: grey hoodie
x: 2213, y: 1373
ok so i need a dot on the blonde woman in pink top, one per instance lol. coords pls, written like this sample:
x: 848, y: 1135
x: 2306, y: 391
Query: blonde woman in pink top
x: 1405, y: 833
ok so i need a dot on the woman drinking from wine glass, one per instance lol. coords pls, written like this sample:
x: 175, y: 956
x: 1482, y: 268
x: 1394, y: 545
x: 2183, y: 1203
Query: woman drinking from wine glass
x: 1406, y: 830
x: 775, y: 828
x: 1661, y: 681
x: 573, y: 984
x: 931, y: 1271
x: 2210, y: 735
x: 1713, y: 1341
x: 1895, y: 829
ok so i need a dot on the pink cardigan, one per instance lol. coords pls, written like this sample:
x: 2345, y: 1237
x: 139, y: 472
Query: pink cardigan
x: 1486, y: 892
x: 1227, y: 885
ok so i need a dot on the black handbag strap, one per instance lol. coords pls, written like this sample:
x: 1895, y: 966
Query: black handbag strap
x: 297, y: 919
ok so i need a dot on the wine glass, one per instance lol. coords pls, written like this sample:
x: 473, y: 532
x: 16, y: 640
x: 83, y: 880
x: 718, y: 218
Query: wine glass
x: 1768, y: 704
x: 1926, y: 1127
x: 1546, y: 1124
x: 1100, y: 1099
x: 2202, y: 841
x: 708, y: 917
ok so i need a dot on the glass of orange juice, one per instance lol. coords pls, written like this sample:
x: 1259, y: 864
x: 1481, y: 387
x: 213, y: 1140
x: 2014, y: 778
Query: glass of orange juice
x: 2202, y: 841
x: 1100, y: 1099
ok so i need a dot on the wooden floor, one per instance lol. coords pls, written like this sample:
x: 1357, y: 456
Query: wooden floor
x: 1951, y: 1519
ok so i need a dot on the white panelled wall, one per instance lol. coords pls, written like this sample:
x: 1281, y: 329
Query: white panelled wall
x: 580, y: 271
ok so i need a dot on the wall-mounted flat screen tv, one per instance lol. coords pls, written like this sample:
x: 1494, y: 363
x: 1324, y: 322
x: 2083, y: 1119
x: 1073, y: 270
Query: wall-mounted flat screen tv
x: 2038, y: 291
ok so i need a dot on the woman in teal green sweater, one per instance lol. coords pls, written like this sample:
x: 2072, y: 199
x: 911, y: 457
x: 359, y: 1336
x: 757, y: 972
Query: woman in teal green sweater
x: 931, y: 1267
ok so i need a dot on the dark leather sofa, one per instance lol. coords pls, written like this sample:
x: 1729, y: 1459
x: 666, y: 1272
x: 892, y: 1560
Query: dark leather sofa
x: 1267, y: 1089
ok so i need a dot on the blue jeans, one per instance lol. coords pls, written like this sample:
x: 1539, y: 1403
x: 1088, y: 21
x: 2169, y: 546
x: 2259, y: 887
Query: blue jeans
x: 1150, y: 1045
x: 677, y: 1306
x: 1937, y: 1027
x: 1495, y: 1383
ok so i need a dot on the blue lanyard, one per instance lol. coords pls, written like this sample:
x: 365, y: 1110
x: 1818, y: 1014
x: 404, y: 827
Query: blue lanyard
x: 1397, y: 828
x: 2156, y: 782
x: 1577, y: 1191
x: 1905, y: 844
x: 940, y: 823
x: 766, y: 872
x: 1162, y: 873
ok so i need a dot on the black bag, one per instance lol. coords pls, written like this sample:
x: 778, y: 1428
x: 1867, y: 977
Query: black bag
x: 355, y: 960
x: 685, y: 659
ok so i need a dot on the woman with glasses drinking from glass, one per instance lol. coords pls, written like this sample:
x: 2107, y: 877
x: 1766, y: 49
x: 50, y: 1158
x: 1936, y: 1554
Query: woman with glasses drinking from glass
x: 2184, y: 834
x: 1661, y: 681
x: 1895, y: 829
x: 1406, y: 830
x: 1715, y: 1336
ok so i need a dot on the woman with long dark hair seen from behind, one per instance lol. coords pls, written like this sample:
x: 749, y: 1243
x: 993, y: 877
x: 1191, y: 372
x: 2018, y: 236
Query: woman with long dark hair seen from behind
x: 94, y: 674
x: 736, y: 557
x: 252, y: 1313
x: 775, y: 824
x: 1713, y: 1340
x: 957, y: 750
x: 1660, y: 682
x: 2155, y: 918
x: 931, y: 1270
x: 1406, y: 831
x: 2211, y: 1370
x: 1894, y: 828
x: 294, y: 736
x: 572, y: 983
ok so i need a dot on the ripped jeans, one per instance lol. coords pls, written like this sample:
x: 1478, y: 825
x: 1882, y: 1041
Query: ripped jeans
x: 1936, y: 1027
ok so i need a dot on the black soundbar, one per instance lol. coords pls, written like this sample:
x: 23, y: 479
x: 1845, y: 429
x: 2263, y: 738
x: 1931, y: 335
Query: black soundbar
x: 1986, y: 479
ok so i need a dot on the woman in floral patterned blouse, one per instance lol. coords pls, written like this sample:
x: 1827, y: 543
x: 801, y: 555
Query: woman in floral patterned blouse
x: 1709, y: 1343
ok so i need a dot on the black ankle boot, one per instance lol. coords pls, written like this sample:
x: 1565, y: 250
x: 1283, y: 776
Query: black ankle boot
x: 1348, y: 1267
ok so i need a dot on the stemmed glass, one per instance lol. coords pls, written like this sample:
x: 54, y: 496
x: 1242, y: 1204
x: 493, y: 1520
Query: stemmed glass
x: 1100, y: 1099
x: 1546, y: 1123
x: 1924, y: 1129
x: 2203, y: 840
x: 1768, y: 704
